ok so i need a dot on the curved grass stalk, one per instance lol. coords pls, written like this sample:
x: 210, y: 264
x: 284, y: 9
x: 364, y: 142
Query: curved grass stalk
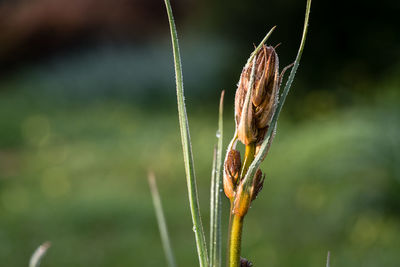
x: 260, y: 45
x: 186, y: 145
x: 39, y: 254
x: 267, y: 142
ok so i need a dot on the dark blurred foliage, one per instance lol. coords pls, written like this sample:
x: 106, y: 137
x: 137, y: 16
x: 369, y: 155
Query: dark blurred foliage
x: 352, y: 44
x: 348, y: 42
x: 36, y: 30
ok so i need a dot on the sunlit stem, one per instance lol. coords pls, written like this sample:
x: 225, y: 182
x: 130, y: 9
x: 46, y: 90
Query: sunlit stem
x: 235, y: 240
x: 248, y: 158
x: 236, y: 220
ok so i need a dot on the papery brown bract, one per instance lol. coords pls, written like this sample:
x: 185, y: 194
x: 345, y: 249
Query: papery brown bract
x: 258, y: 184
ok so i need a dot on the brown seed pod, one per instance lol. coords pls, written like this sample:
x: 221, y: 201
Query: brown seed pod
x: 254, y: 117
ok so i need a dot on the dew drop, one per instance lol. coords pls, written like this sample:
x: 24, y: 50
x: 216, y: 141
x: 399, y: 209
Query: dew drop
x: 218, y: 134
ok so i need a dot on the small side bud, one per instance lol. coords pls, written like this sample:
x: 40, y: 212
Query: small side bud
x: 245, y: 263
x: 231, y: 172
x: 258, y: 184
x: 229, y: 187
x: 233, y: 164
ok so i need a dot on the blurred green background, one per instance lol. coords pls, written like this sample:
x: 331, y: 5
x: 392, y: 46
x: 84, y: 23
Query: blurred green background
x: 87, y: 107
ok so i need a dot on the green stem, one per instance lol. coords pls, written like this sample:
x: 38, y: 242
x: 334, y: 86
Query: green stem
x: 235, y: 220
x: 235, y: 240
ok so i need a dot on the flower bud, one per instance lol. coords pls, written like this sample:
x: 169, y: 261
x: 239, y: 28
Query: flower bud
x: 231, y: 172
x: 253, y: 117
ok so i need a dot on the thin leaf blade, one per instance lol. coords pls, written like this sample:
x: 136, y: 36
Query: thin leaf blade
x: 216, y: 203
x: 186, y: 145
x: 162, y: 224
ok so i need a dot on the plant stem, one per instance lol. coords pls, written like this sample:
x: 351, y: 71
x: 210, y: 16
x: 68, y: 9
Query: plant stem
x: 235, y: 240
x: 236, y: 220
x: 248, y: 158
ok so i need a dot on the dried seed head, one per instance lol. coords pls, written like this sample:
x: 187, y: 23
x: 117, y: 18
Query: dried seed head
x: 231, y: 172
x: 253, y: 117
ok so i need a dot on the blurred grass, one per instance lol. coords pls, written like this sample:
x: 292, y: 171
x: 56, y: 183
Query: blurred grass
x: 75, y: 175
x: 78, y: 135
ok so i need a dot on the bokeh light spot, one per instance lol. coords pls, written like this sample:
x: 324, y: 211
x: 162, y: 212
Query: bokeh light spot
x: 365, y: 231
x: 55, y: 183
x: 310, y: 197
x: 36, y: 130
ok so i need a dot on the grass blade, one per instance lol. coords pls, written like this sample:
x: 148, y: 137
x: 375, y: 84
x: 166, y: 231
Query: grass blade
x: 260, y: 45
x: 162, y: 225
x: 216, y: 193
x: 264, y: 147
x: 39, y: 254
x: 186, y: 145
x: 328, y: 259
x: 212, y: 207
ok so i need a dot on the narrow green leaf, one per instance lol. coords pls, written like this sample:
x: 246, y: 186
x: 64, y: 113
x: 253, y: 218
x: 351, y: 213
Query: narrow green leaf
x: 39, y: 254
x: 186, y: 145
x: 328, y: 259
x: 216, y: 193
x: 162, y: 224
x: 212, y: 206
x: 266, y: 143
